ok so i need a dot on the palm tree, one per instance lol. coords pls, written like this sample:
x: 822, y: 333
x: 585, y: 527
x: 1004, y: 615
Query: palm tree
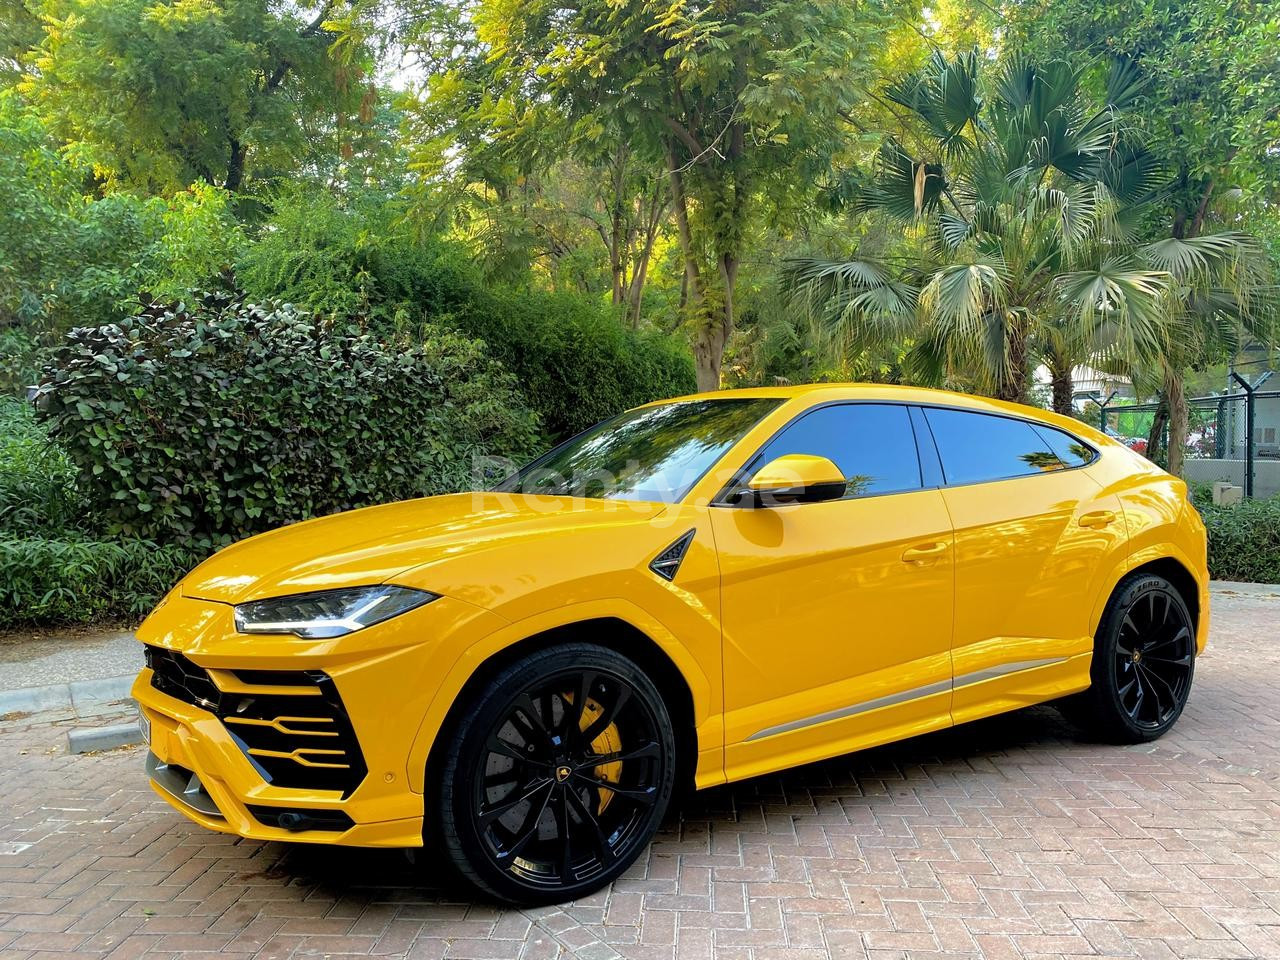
x: 1221, y: 291
x: 1020, y: 195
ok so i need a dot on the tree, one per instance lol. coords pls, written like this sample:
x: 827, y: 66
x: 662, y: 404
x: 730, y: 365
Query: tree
x: 739, y: 102
x: 156, y: 94
x: 1211, y: 117
x: 67, y: 259
x: 1017, y: 187
x: 20, y: 32
x: 1222, y: 291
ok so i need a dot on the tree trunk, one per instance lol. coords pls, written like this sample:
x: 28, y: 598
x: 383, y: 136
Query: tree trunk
x: 708, y: 351
x: 640, y: 273
x: 1176, y: 397
x: 709, y: 335
x: 235, y: 167
x: 1013, y: 384
x: 1155, y: 436
x: 635, y: 293
x: 1063, y: 386
x: 680, y: 205
x: 713, y: 333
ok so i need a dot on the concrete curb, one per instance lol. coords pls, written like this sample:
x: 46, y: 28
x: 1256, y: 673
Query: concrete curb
x: 103, y: 738
x: 73, y: 696
x: 1245, y: 589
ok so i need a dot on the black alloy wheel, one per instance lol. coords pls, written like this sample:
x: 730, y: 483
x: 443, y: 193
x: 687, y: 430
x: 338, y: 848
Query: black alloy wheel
x: 1143, y: 663
x: 561, y: 771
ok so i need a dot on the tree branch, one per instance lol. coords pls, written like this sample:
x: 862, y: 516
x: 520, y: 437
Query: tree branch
x: 317, y: 22
x: 685, y: 137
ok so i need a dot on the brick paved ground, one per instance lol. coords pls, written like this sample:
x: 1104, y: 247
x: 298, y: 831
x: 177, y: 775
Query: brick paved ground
x: 1002, y: 839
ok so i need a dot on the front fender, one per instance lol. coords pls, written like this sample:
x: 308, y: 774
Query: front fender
x: 706, y: 695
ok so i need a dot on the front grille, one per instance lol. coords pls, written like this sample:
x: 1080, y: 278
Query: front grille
x: 302, y: 739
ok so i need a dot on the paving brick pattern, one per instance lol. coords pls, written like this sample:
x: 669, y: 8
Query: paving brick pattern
x: 1004, y: 839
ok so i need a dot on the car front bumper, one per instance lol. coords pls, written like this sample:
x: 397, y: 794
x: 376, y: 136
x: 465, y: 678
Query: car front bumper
x: 283, y: 738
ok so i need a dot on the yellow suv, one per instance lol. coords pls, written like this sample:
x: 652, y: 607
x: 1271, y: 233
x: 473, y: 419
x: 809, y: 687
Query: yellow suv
x: 691, y: 593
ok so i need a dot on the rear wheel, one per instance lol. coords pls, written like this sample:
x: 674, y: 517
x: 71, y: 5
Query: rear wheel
x: 558, y: 774
x: 1144, y: 659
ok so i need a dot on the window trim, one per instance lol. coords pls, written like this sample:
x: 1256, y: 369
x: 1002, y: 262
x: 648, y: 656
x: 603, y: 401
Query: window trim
x: 730, y: 495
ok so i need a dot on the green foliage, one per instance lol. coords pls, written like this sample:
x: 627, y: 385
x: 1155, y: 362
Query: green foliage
x: 1028, y: 192
x: 1244, y: 540
x: 574, y: 360
x: 72, y: 580
x: 1210, y: 113
x: 157, y: 94
x: 37, y: 481
x: 53, y: 568
x: 201, y: 423
x: 67, y: 258
x: 740, y: 105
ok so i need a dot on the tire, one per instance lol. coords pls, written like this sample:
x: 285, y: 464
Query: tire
x: 1144, y: 658
x: 526, y: 811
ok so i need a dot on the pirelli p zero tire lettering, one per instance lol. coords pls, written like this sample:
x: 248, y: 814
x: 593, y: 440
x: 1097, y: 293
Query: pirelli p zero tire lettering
x: 1144, y: 660
x: 557, y: 774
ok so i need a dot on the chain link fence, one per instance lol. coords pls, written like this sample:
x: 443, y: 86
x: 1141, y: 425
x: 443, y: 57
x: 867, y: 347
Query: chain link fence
x: 1234, y: 437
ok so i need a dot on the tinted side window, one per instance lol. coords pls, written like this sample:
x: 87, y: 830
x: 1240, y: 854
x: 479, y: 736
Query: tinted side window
x: 976, y: 447
x: 872, y: 444
x: 1070, y: 451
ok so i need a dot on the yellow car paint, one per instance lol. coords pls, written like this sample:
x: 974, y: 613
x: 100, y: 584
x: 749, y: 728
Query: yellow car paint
x: 797, y: 632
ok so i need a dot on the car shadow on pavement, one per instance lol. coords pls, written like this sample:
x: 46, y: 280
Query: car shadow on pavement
x: 881, y: 776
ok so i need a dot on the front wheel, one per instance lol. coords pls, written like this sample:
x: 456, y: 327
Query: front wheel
x: 1144, y: 658
x: 558, y: 773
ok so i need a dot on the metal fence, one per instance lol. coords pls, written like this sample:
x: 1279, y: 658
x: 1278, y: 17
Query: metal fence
x: 1234, y: 437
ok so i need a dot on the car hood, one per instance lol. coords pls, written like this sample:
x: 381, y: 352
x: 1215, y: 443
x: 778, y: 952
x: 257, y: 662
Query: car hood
x: 376, y: 544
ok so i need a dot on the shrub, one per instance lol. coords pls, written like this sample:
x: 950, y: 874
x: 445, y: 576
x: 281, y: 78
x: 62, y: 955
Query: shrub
x: 200, y: 423
x: 37, y: 481
x: 575, y: 361
x: 81, y: 580
x: 1244, y: 540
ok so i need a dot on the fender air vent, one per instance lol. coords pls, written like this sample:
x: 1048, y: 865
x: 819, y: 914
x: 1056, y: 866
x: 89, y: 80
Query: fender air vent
x: 668, y: 561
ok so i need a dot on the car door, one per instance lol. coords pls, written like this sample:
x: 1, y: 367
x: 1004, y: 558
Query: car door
x: 836, y: 615
x: 1034, y: 535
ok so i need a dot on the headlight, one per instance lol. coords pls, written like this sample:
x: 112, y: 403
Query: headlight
x: 328, y: 613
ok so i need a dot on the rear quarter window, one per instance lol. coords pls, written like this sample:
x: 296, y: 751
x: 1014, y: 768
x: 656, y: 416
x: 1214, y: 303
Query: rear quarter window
x: 1072, y: 451
x: 978, y: 447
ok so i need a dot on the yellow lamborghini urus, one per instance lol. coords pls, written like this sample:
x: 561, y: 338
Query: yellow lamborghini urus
x: 691, y: 593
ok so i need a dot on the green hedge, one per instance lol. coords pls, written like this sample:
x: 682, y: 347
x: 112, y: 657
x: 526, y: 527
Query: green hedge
x: 575, y: 361
x: 52, y: 568
x: 1244, y: 540
x: 199, y: 424
x: 79, y: 580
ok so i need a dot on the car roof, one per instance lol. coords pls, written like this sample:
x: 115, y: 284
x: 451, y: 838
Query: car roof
x: 823, y: 392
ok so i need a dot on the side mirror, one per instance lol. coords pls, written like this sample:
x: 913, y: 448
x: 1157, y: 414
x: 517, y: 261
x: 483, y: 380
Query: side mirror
x: 796, y: 478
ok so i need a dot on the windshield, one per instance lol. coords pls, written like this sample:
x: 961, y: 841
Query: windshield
x: 654, y: 453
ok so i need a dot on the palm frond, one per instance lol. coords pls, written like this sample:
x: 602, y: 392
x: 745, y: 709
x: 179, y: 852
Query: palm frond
x: 959, y: 295
x: 1119, y: 304
x: 945, y: 95
x: 954, y: 230
x: 1125, y: 83
x: 904, y: 187
x: 857, y: 302
x: 1196, y: 257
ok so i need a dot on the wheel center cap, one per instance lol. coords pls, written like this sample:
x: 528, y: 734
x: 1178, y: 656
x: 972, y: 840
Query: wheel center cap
x: 562, y: 773
x: 1137, y: 656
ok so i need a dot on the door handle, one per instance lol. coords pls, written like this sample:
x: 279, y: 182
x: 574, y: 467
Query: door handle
x: 1098, y: 518
x: 924, y: 552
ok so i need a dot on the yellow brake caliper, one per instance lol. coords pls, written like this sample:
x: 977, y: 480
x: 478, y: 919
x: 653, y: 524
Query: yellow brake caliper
x: 608, y: 742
